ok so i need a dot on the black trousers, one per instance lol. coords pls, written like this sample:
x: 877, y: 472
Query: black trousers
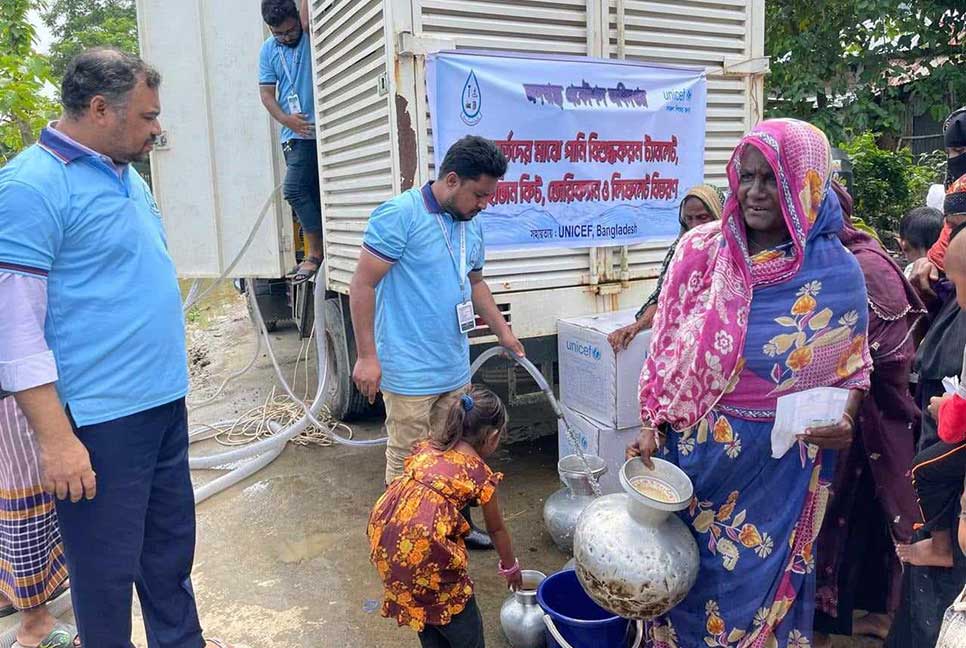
x: 937, y: 474
x: 465, y: 630
x: 301, y: 188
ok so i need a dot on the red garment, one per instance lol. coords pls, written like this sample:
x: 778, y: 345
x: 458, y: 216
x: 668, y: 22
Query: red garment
x: 952, y: 420
x: 937, y: 253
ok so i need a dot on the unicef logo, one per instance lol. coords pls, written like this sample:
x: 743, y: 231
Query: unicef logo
x: 586, y: 350
x: 471, y: 109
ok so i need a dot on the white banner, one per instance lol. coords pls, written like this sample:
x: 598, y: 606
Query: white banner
x: 601, y: 152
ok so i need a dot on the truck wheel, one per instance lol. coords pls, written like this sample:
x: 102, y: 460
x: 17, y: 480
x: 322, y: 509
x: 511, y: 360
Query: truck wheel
x: 341, y: 396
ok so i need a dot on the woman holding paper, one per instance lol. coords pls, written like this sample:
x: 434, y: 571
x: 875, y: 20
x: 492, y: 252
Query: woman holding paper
x: 766, y: 304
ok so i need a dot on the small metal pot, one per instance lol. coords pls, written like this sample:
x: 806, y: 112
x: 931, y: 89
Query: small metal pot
x: 521, y: 616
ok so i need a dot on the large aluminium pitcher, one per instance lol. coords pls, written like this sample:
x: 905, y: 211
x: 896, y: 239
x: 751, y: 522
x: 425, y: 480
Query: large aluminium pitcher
x: 633, y: 556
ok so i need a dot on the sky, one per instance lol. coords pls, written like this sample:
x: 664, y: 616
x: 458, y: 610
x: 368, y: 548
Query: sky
x: 43, y: 34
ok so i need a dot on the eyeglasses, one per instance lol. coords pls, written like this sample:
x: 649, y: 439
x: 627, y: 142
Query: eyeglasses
x: 287, y: 35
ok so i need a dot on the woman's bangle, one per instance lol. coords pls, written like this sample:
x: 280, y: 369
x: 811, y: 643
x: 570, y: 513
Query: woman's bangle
x: 851, y: 420
x: 507, y: 572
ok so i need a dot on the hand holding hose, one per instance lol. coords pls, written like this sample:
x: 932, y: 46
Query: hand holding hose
x: 511, y: 342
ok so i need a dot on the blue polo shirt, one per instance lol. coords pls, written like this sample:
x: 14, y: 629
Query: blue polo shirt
x: 289, y: 69
x: 94, y: 232
x: 418, y: 340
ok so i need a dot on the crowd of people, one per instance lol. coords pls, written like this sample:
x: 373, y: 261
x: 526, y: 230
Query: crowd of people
x: 779, y: 288
x: 790, y: 291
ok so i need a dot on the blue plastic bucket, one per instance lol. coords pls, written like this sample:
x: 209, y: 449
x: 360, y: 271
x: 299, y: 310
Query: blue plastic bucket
x: 580, y: 621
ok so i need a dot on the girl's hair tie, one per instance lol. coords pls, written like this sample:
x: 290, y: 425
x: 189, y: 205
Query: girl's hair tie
x: 467, y: 402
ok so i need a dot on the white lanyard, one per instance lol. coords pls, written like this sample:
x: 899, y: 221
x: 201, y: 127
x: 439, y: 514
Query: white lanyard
x: 296, y: 61
x: 461, y: 264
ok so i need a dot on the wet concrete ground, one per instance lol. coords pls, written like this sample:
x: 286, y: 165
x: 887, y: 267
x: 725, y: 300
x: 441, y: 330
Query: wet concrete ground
x: 282, y: 558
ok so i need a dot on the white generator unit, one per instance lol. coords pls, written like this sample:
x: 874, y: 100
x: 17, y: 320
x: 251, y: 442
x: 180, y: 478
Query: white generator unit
x: 220, y: 158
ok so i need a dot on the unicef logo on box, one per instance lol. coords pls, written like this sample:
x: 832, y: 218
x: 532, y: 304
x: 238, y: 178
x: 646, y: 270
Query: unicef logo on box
x: 581, y: 349
x: 472, y: 101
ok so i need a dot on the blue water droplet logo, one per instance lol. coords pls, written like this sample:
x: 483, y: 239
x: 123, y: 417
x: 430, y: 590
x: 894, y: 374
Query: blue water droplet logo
x: 472, y: 101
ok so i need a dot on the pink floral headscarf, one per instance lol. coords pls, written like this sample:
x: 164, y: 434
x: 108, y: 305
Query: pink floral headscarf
x: 701, y: 323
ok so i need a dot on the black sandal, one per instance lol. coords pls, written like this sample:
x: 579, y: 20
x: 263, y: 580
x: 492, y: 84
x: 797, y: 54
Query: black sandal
x: 302, y: 275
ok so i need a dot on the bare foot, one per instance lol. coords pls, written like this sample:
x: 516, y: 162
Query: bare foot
x: 35, y: 625
x: 924, y: 554
x: 873, y: 625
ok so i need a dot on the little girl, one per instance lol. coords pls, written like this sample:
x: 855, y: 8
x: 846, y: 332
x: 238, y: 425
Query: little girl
x: 416, y: 530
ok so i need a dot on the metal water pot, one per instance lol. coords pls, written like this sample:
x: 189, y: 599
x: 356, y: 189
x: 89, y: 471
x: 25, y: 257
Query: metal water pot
x: 634, y: 556
x: 521, y: 616
x: 563, y: 508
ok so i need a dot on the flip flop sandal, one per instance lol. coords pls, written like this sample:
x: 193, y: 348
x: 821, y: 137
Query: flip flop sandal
x: 62, y: 636
x: 221, y: 643
x: 301, y: 276
x: 9, y: 610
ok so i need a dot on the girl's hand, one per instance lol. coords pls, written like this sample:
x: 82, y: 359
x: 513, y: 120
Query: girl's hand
x: 515, y: 580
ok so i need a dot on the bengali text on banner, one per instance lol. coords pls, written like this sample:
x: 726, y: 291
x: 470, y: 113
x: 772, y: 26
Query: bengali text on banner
x: 601, y: 152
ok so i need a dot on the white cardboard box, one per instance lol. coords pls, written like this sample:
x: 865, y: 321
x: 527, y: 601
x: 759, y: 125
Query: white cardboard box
x: 594, y: 381
x: 607, y: 443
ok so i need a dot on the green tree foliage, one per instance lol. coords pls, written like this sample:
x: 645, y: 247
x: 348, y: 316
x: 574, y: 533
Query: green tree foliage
x: 80, y: 24
x: 855, y: 65
x: 887, y: 184
x: 24, y: 109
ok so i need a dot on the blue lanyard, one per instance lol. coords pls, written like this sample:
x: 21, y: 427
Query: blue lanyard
x: 296, y: 61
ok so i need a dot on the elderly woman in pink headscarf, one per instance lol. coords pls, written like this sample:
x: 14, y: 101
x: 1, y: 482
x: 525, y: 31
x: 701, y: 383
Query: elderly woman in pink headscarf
x: 765, y: 303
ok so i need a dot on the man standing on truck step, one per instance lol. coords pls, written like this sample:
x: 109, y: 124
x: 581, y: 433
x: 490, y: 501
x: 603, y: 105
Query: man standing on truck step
x: 415, y: 295
x: 285, y: 84
x: 92, y: 346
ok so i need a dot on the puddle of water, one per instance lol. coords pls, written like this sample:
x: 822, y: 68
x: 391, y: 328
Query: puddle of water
x: 307, y: 548
x: 256, y: 489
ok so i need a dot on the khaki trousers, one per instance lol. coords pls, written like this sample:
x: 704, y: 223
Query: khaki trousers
x: 408, y: 420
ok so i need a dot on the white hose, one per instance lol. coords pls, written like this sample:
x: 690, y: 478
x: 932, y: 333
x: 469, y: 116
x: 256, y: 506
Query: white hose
x: 238, y: 374
x: 278, y: 440
x: 558, y: 409
x: 236, y: 475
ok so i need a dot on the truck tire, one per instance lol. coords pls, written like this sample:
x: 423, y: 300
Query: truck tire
x: 342, y: 398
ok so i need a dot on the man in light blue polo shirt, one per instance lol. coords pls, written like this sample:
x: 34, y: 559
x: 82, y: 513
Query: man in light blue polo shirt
x: 414, y: 293
x: 92, y: 348
x: 287, y: 92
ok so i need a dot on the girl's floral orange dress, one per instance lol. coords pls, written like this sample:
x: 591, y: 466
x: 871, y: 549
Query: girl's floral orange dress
x: 416, y: 535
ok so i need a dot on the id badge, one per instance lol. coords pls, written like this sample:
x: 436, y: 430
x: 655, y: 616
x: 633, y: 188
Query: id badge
x: 294, y: 105
x: 466, y: 316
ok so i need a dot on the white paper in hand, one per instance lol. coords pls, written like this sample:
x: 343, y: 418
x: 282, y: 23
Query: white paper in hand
x: 801, y: 410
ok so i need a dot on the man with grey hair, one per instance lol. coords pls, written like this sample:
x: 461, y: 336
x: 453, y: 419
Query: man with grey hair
x: 92, y: 349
